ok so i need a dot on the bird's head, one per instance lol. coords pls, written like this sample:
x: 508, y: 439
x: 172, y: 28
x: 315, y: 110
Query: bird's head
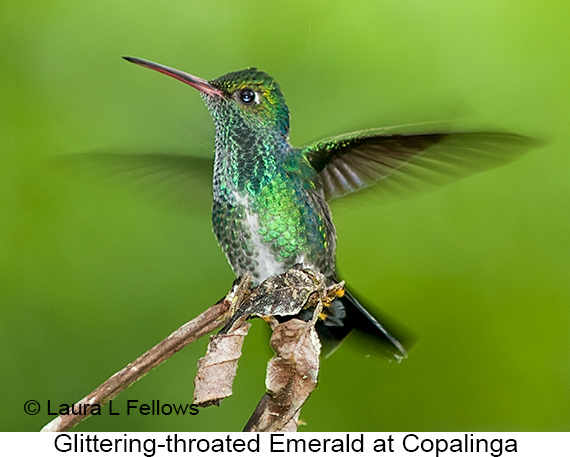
x: 249, y: 95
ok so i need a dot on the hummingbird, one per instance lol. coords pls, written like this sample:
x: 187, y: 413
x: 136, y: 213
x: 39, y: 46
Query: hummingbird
x: 270, y: 207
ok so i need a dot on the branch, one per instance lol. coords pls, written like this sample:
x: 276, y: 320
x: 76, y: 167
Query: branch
x: 209, y: 320
x: 291, y: 374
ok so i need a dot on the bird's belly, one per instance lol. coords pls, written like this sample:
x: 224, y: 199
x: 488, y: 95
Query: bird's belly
x: 262, y: 245
x: 265, y: 261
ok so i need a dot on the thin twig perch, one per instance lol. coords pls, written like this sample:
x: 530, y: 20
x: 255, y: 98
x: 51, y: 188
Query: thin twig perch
x: 205, y: 323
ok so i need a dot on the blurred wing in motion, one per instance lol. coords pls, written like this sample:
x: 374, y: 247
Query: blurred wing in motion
x: 186, y: 179
x: 404, y: 163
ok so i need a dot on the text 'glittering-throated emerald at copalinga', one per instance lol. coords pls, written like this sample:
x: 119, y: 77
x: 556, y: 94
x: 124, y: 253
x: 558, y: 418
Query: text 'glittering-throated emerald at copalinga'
x: 270, y: 209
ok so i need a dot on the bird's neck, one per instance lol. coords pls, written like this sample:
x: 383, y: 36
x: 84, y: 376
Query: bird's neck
x: 246, y: 159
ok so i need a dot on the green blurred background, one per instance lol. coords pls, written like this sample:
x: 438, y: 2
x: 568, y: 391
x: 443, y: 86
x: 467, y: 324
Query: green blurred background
x: 92, y: 274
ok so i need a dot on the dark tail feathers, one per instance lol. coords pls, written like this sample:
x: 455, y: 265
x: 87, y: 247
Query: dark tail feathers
x: 346, y: 314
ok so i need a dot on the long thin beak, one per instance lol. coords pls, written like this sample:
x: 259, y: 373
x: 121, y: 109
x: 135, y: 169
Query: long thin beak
x: 198, y: 83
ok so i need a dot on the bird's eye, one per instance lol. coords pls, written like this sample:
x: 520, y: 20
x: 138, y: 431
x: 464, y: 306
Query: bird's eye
x: 247, y: 96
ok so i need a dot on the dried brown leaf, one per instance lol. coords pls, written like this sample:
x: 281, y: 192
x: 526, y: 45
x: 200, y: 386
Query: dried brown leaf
x: 291, y: 376
x: 284, y: 295
x: 217, y: 369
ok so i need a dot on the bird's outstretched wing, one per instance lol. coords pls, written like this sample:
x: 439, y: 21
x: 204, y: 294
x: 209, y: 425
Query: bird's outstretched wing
x: 402, y: 162
x: 186, y: 179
